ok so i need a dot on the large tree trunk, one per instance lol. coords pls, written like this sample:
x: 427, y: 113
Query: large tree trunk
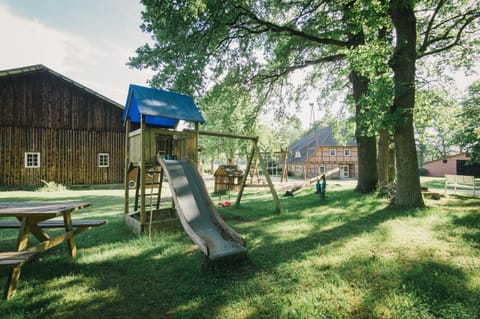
x: 383, y: 156
x: 408, y: 192
x: 384, y: 161
x: 366, y: 145
x: 391, y: 164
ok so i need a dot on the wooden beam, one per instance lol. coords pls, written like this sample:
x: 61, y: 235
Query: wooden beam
x: 195, y: 144
x: 142, y: 171
x: 228, y: 135
x: 245, y: 176
x: 267, y: 176
x: 127, y: 164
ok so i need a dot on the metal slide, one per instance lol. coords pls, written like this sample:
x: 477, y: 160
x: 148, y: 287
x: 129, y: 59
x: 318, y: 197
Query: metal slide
x: 197, y: 212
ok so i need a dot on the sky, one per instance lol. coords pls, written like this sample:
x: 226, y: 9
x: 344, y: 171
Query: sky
x: 88, y: 41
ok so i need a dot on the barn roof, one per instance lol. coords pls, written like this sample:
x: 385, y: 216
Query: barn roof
x: 306, y: 145
x: 161, y: 108
x: 43, y: 68
x: 460, y: 155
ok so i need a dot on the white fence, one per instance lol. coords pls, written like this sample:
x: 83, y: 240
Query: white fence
x: 459, y: 180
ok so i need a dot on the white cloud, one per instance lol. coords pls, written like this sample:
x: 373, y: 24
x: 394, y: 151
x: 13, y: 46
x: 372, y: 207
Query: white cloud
x: 97, y: 65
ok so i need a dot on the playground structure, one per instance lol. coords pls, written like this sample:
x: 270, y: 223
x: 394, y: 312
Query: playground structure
x: 156, y: 149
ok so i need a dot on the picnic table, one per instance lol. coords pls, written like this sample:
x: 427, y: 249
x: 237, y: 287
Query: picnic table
x: 35, y: 218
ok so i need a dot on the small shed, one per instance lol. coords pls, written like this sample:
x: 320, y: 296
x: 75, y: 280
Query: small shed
x: 452, y: 165
x: 227, y: 177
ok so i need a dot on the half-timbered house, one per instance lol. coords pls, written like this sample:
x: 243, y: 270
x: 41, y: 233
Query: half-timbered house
x: 319, y: 153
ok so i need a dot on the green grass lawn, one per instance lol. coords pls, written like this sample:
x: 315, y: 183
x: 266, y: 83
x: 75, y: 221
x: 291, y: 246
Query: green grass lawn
x: 348, y: 256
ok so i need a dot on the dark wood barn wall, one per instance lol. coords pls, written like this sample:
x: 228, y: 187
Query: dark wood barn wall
x: 67, y: 125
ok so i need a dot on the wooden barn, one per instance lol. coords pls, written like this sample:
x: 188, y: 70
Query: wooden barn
x: 55, y: 129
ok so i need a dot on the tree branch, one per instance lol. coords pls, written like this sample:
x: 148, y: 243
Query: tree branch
x: 424, y: 45
x: 446, y: 37
x: 275, y: 28
x: 273, y: 77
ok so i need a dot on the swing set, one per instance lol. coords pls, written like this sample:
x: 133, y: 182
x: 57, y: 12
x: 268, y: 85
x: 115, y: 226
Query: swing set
x: 254, y: 155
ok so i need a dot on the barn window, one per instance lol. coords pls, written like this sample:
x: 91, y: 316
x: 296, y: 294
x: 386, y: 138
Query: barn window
x: 103, y: 160
x: 333, y: 152
x: 32, y: 159
x: 322, y: 169
x: 445, y: 161
x: 346, y: 152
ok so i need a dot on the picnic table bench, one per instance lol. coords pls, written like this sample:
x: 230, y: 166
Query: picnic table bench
x: 12, y: 224
x: 11, y: 259
x: 34, y: 218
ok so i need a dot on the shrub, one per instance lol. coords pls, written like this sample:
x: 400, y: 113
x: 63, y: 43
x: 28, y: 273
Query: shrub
x: 52, y: 187
x: 423, y: 171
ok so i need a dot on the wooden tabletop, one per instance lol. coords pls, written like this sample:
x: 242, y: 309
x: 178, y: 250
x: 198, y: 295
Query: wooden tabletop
x: 21, y: 209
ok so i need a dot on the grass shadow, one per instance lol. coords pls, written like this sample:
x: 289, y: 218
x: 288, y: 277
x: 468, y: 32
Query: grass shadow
x: 119, y: 275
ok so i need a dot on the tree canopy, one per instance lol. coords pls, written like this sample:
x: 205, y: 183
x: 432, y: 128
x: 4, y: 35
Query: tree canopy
x: 373, y: 44
x: 468, y: 131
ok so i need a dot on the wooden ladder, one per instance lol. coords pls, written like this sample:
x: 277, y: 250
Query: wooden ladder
x: 156, y: 179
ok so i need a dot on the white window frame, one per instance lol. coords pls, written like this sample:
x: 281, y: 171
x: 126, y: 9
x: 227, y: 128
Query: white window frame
x: 322, y: 169
x: 333, y: 152
x: 103, y: 159
x: 343, y: 171
x: 32, y: 159
x: 346, y: 152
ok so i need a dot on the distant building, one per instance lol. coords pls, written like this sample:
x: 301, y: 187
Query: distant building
x: 452, y: 165
x: 318, y: 153
x: 55, y: 129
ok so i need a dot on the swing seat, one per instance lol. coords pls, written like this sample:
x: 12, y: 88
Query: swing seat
x: 225, y: 204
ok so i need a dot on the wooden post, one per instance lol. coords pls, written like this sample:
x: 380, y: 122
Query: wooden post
x: 127, y: 165
x: 143, y: 217
x: 283, y: 154
x: 72, y: 247
x: 195, y: 145
x: 245, y: 176
x: 267, y: 176
x: 160, y: 185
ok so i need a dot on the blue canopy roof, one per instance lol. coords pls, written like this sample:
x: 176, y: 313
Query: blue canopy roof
x: 160, y: 108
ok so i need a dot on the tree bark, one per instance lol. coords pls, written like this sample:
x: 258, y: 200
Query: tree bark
x: 366, y: 145
x: 391, y: 164
x: 408, y: 192
x: 383, y: 157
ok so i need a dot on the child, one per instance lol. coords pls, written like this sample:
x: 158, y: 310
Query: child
x: 323, y: 186
x: 318, y: 187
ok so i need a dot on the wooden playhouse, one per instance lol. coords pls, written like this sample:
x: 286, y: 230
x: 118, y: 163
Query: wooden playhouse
x: 151, y: 118
x: 228, y: 178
